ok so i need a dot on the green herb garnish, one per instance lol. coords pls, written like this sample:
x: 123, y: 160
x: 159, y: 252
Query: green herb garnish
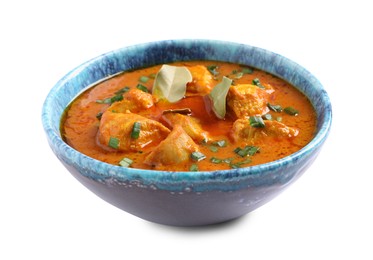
x: 110, y: 100
x: 142, y: 88
x: 227, y: 160
x: 216, y: 160
x: 136, y: 130
x: 276, y: 108
x: 197, y: 156
x: 238, y: 75
x: 143, y: 79
x: 118, y: 97
x: 193, y: 168
x: 213, y: 148
x: 125, y: 162
x: 122, y: 91
x: 257, y: 83
x: 256, y: 121
x: 238, y: 164
x: 291, y: 111
x: 220, y: 143
x: 246, y: 151
x: 213, y: 69
x: 247, y: 70
x: 267, y: 117
x: 114, y: 142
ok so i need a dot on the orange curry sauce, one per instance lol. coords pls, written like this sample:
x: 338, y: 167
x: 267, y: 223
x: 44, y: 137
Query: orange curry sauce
x: 80, y: 124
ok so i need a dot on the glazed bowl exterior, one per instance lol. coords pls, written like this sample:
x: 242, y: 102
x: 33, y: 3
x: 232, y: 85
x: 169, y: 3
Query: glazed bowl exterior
x: 184, y: 198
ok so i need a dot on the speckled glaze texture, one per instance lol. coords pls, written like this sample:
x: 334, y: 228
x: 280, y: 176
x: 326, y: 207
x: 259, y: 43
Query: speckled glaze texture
x: 184, y: 198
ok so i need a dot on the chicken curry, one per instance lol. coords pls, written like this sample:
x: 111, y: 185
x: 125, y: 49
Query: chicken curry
x: 190, y: 116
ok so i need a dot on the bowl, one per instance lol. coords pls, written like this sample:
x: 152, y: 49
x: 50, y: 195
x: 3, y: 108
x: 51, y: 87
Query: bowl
x: 184, y: 198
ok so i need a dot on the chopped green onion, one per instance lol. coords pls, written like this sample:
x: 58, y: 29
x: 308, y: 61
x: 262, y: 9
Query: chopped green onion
x: 136, y: 130
x: 267, y: 117
x: 116, y: 98
x: 110, y: 100
x: 114, y: 142
x: 125, y: 162
x: 245, y: 161
x: 227, y: 160
x: 238, y: 164
x: 237, y: 149
x: 247, y: 70
x: 213, y: 69
x: 246, y: 151
x: 142, y: 87
x: 241, y: 152
x: 100, y: 101
x: 197, y: 156
x: 256, y: 121
x: 291, y: 111
x: 204, y: 141
x: 143, y: 79
x: 122, y: 91
x: 213, y: 149
x: 279, y: 118
x: 253, y: 150
x: 220, y: 143
x: 238, y: 75
x: 216, y: 160
x: 276, y: 108
x: 193, y: 168
x: 257, y: 83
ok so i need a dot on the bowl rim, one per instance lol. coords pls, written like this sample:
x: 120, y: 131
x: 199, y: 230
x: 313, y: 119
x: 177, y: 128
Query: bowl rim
x: 104, y: 171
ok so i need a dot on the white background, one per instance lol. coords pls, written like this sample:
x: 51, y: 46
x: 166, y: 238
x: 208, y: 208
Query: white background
x: 47, y: 214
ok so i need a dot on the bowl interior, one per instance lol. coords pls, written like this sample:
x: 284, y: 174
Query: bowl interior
x: 149, y: 54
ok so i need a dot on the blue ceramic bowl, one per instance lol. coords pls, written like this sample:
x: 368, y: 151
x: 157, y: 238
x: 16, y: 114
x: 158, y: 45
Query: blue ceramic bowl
x: 184, y: 198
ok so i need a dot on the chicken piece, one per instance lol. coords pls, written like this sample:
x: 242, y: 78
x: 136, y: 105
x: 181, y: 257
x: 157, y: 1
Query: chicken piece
x: 243, y: 131
x: 134, y: 100
x: 175, y: 149
x: 119, y: 127
x: 277, y: 129
x: 202, y: 80
x: 191, y: 125
x: 247, y: 100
